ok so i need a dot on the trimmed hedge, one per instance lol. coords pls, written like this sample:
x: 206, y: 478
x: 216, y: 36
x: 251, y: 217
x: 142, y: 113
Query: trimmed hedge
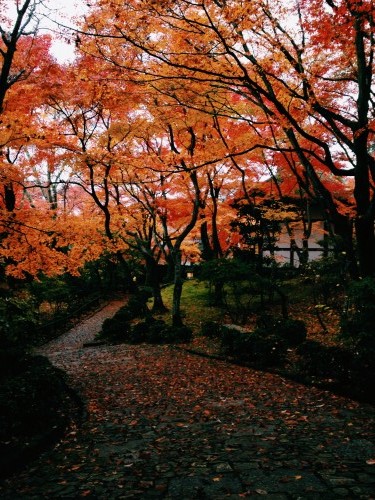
x: 255, y: 347
x: 151, y: 330
x: 266, y: 345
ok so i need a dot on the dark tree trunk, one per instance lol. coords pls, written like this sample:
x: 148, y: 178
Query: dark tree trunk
x: 364, y: 229
x: 342, y: 227
x: 153, y: 281
x: 364, y: 222
x: 177, y: 290
x: 170, y: 268
x: 207, y: 252
x: 129, y: 284
x: 304, y: 253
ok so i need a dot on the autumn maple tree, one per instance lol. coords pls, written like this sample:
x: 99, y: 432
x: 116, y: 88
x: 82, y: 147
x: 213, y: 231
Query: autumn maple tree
x: 21, y: 71
x: 167, y: 183
x: 41, y: 229
x: 301, y: 69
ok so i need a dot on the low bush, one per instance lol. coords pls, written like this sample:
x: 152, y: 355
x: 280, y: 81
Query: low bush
x: 329, y: 277
x: 119, y: 329
x: 137, y: 303
x: 18, y: 323
x: 358, y: 321
x: 267, y: 344
x: 115, y: 329
x: 211, y: 329
x: 243, y: 286
x: 156, y: 333
x: 161, y: 333
x: 151, y: 330
x: 324, y: 361
x: 292, y: 331
x: 255, y: 347
x: 138, y: 332
x: 182, y: 334
x: 123, y: 315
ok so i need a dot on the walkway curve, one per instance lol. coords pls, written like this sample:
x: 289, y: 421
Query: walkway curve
x: 163, y: 423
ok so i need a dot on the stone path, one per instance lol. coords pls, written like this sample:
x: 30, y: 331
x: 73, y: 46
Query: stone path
x: 163, y: 423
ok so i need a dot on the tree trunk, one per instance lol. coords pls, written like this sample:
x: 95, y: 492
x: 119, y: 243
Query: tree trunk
x: 129, y: 284
x: 304, y: 254
x: 364, y: 222
x: 153, y: 281
x: 177, y: 290
x: 207, y: 252
x: 342, y: 228
x: 364, y: 228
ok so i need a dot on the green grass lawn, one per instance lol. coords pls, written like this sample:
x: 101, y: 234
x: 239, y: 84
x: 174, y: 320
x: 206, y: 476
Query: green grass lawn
x: 195, y: 305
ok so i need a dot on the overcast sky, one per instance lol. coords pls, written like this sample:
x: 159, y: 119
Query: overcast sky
x: 66, y: 12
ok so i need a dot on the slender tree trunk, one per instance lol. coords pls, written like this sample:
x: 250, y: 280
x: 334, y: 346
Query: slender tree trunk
x: 304, y: 254
x: 207, y: 252
x: 177, y: 290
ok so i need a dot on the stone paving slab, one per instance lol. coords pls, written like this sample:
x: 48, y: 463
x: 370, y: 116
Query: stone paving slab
x: 163, y: 423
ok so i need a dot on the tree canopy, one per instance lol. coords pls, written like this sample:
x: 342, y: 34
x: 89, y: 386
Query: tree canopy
x: 173, y: 112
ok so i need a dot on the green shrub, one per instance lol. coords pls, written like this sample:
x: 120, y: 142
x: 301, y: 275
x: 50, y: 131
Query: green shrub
x: 267, y: 350
x: 53, y: 290
x: 18, y: 322
x: 211, y: 329
x: 182, y: 334
x: 232, y: 338
x: 123, y: 315
x: 329, y: 276
x: 147, y: 330
x: 292, y: 331
x: 118, y: 328
x: 243, y: 286
x: 324, y: 361
x: 256, y: 347
x: 358, y: 321
x: 156, y: 327
x: 115, y: 330
x: 161, y: 333
x: 137, y: 303
x: 139, y: 332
